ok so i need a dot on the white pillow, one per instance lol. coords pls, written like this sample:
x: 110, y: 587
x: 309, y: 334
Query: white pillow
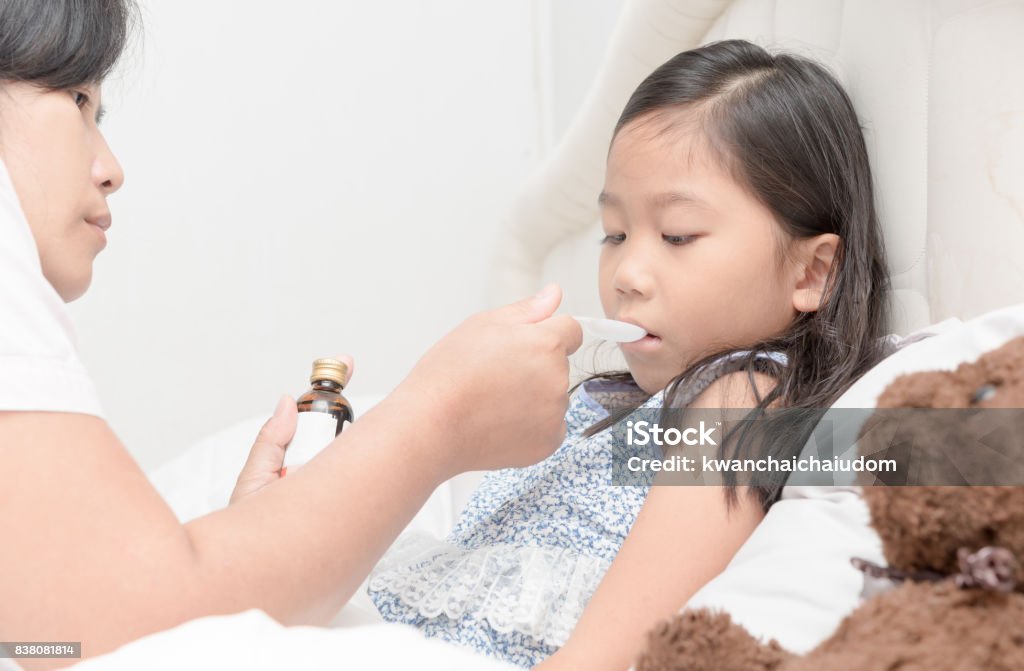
x: 792, y: 580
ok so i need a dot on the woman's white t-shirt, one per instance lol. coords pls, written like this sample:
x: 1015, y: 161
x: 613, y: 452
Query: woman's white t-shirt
x: 39, y: 365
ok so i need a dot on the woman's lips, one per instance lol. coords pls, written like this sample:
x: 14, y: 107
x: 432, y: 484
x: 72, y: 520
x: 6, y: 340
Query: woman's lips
x: 100, y: 230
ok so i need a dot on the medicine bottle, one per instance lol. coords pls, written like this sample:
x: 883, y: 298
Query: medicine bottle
x: 323, y: 412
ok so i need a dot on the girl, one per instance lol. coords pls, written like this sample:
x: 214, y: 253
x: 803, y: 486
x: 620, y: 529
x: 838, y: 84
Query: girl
x: 740, y: 232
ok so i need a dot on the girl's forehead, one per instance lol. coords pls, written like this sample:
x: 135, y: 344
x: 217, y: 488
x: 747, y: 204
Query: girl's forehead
x: 672, y: 141
x: 640, y: 159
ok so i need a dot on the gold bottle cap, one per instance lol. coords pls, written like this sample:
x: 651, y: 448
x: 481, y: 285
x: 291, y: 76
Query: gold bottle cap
x: 329, y: 369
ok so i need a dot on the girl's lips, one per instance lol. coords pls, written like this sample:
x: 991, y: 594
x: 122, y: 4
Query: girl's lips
x: 648, y: 343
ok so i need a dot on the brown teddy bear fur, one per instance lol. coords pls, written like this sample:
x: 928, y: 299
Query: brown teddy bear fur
x: 916, y: 626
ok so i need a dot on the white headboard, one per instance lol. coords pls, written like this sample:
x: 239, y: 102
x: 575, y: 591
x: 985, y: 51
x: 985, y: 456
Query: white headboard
x: 937, y: 85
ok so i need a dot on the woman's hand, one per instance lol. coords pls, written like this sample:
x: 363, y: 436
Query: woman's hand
x: 493, y: 392
x: 267, y: 454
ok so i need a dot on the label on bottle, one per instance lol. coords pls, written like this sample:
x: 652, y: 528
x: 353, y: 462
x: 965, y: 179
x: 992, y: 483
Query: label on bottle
x: 314, y: 431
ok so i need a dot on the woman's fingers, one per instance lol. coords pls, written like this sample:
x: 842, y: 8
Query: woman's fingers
x: 266, y: 457
x: 500, y: 374
x: 350, y: 362
x: 267, y: 454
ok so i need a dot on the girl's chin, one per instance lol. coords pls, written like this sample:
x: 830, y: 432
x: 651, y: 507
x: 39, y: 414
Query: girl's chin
x: 650, y: 381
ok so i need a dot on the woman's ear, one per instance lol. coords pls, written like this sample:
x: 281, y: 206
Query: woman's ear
x: 813, y: 262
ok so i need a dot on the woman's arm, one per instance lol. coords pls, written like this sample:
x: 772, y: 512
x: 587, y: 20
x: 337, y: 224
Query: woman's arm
x: 682, y: 538
x: 93, y: 554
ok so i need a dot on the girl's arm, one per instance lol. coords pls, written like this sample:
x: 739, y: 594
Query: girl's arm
x: 682, y: 538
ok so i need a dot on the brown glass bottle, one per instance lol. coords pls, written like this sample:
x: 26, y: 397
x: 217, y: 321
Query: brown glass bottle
x: 323, y: 412
x: 328, y: 378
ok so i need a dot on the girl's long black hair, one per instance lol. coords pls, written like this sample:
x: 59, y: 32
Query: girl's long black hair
x: 784, y: 129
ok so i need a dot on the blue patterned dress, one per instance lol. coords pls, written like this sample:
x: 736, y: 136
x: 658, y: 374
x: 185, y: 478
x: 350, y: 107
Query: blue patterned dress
x: 531, y: 546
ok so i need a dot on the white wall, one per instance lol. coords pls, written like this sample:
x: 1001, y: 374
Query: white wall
x: 310, y: 179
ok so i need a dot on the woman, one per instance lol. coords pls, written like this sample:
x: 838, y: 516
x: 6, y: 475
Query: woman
x: 87, y: 528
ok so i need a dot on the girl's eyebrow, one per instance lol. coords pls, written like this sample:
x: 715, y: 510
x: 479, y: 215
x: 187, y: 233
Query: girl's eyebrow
x: 658, y: 200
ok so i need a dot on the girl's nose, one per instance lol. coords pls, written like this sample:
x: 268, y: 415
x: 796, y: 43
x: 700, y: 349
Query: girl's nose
x: 632, y: 275
x: 106, y: 170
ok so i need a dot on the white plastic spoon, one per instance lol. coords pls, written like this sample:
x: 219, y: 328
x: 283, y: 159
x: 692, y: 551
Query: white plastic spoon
x: 610, y: 329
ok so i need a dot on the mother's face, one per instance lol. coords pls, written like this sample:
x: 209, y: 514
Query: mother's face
x: 63, y: 171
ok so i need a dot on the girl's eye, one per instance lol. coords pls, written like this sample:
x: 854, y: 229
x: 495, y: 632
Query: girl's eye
x: 613, y: 239
x: 81, y: 99
x: 678, y: 239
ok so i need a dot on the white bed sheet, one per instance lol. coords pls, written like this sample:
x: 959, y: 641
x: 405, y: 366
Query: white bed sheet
x: 252, y: 640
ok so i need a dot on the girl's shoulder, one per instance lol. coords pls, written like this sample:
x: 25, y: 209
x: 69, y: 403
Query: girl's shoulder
x: 604, y: 396
x: 719, y: 368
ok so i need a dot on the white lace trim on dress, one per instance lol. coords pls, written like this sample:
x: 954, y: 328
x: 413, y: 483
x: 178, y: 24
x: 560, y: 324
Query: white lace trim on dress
x: 538, y: 591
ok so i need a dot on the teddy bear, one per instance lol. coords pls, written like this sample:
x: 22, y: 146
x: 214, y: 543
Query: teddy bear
x: 952, y: 594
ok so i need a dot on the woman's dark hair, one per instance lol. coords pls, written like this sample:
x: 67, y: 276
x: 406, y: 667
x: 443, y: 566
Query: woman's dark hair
x: 784, y: 129
x: 59, y: 44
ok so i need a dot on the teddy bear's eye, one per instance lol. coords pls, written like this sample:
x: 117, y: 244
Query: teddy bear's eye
x: 983, y: 393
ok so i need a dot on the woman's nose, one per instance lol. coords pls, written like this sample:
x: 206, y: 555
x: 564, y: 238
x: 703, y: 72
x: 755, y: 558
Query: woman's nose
x: 107, y: 173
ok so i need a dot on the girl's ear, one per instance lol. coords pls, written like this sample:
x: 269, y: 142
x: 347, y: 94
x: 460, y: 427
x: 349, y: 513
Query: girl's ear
x: 814, y: 259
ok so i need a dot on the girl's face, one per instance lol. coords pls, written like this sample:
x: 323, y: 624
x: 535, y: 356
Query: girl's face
x: 63, y: 171
x: 687, y: 255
